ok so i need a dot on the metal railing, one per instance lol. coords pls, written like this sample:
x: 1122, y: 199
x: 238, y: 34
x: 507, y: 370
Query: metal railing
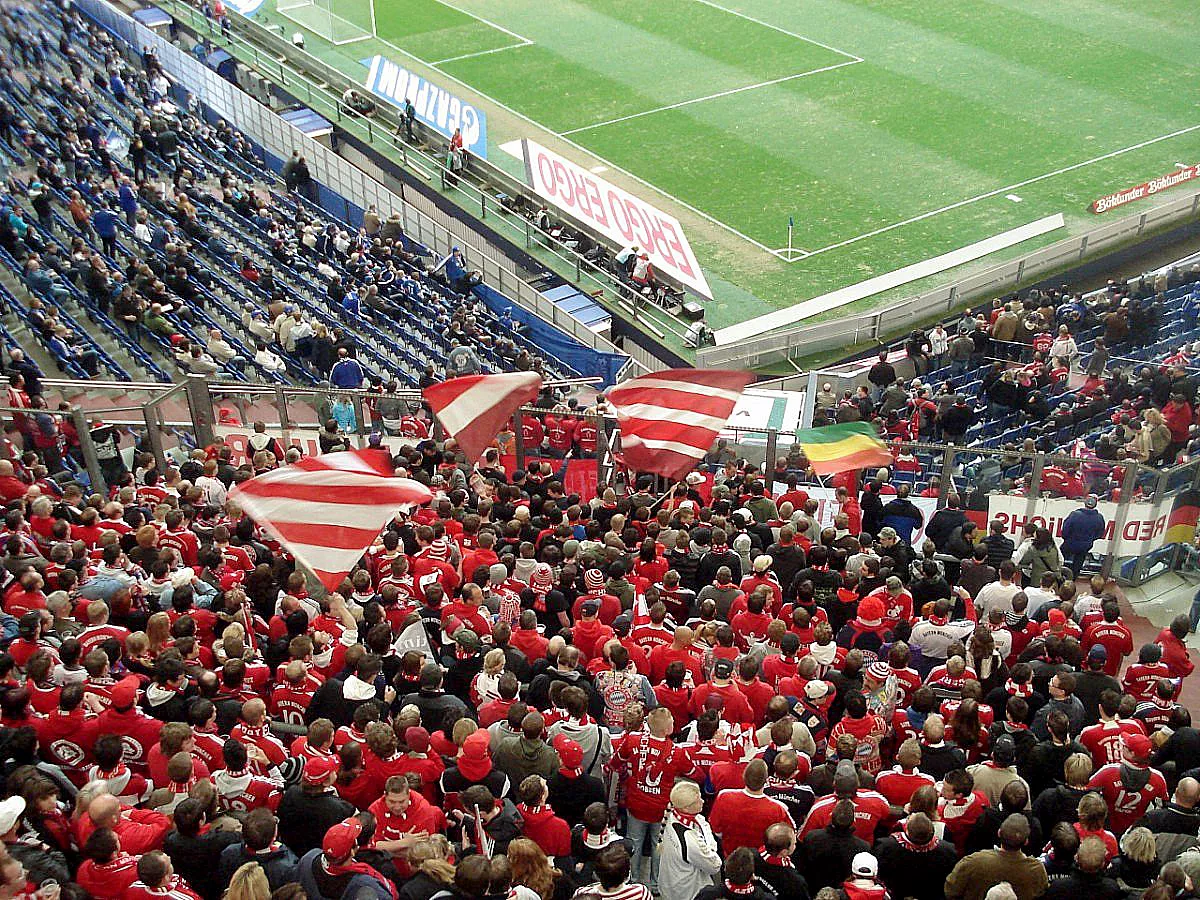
x: 847, y: 330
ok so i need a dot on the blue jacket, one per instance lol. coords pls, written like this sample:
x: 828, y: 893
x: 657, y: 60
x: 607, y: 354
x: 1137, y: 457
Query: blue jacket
x: 105, y: 223
x: 346, y: 373
x: 127, y: 198
x: 1081, y: 529
x: 343, y: 414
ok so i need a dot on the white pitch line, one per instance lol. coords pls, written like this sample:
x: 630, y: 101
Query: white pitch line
x: 1008, y: 188
x: 450, y: 59
x: 579, y: 147
x: 741, y: 15
x: 467, y: 12
x: 730, y: 92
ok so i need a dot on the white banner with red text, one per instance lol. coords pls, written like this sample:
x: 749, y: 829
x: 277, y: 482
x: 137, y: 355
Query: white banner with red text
x: 1144, y: 531
x: 613, y: 212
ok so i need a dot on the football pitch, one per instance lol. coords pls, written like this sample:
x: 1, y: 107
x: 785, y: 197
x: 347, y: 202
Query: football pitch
x: 890, y: 131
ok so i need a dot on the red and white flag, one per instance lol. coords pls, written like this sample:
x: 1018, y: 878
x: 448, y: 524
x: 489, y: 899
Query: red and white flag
x: 475, y: 408
x: 670, y: 419
x: 327, y: 510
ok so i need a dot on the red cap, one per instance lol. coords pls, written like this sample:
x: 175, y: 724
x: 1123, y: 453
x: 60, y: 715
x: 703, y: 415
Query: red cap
x: 1138, y: 746
x: 476, y: 760
x: 341, y: 839
x: 871, y: 609
x: 1056, y: 617
x: 231, y: 579
x: 124, y: 692
x: 319, y: 768
x: 570, y: 754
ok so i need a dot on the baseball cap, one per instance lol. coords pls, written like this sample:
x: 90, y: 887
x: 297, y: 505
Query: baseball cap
x: 816, y: 689
x: 865, y: 865
x: 1137, y: 746
x: 10, y: 813
x: 570, y: 753
x: 319, y: 768
x: 124, y: 693
x: 341, y: 839
x: 1098, y: 653
x: 762, y: 563
x: 590, y: 607
x: 1004, y: 751
x: 723, y: 668
x: 1056, y: 617
x: 1091, y: 501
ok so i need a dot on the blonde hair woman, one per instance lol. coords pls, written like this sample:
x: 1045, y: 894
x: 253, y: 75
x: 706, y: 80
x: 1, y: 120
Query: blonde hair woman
x: 248, y: 883
x: 158, y: 633
x: 433, y: 872
x: 486, y: 686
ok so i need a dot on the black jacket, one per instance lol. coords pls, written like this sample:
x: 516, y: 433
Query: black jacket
x: 1078, y: 884
x: 918, y: 872
x: 826, y: 855
x: 279, y: 864
x: 433, y: 706
x: 942, y: 523
x: 304, y: 818
x: 569, y: 797
x: 195, y: 859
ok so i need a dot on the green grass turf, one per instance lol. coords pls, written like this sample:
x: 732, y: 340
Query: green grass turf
x: 952, y: 100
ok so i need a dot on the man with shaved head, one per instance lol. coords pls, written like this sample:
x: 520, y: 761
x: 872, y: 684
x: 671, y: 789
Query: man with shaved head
x: 679, y: 649
x: 139, y: 830
x: 1181, y: 815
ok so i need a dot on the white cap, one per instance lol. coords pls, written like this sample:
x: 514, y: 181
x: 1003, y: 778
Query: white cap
x: 10, y: 813
x: 865, y: 865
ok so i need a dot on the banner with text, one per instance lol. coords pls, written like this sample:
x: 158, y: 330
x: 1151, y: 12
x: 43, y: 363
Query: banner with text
x: 434, y: 106
x: 1146, y: 189
x: 1143, y: 533
x: 614, y: 213
x: 828, y: 507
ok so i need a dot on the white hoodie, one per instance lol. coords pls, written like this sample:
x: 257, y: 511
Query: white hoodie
x: 690, y: 859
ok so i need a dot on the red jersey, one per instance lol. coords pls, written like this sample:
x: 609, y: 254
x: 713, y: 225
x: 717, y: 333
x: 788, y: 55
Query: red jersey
x: 94, y: 635
x: 138, y: 731
x: 737, y: 708
x: 870, y: 809
x: 1104, y: 740
x: 1126, y: 806
x: 110, y: 880
x: 421, y: 815
x: 174, y: 888
x: 244, y: 791
x: 184, y: 542
x: 651, y: 765
x: 898, y: 785
x: 262, y: 738
x: 740, y: 818
x: 1141, y: 680
x: 867, y: 732
x: 66, y: 739
x: 1115, y: 638
x: 288, y: 703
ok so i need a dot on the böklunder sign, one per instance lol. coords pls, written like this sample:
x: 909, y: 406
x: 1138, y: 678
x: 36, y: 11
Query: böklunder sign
x: 1147, y: 189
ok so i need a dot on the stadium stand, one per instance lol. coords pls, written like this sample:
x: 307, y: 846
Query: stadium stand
x: 522, y: 691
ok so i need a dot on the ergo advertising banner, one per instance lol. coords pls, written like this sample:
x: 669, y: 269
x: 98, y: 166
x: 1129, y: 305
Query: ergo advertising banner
x: 614, y: 213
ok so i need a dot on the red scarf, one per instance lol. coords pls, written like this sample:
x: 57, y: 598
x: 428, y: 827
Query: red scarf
x: 740, y: 889
x: 903, y: 840
x: 1018, y: 690
x: 781, y: 860
x: 354, y: 867
x: 687, y: 820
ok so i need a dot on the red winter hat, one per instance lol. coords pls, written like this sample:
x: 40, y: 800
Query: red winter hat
x: 542, y: 578
x: 417, y: 739
x: 1137, y: 746
x: 231, y: 579
x: 439, y: 550
x: 570, y: 754
x: 594, y: 579
x: 475, y: 762
x: 319, y: 768
x: 341, y: 839
x: 871, y: 610
x: 124, y: 692
x: 1056, y: 617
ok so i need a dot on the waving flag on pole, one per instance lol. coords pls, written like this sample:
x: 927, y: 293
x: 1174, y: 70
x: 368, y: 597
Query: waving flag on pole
x: 327, y: 510
x: 843, y: 447
x: 670, y: 419
x: 475, y: 408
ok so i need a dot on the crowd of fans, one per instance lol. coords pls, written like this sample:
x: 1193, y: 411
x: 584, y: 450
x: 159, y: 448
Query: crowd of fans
x: 1108, y: 378
x: 523, y: 694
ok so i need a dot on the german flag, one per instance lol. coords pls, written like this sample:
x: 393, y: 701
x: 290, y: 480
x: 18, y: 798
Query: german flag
x: 842, y: 448
x: 1185, y: 512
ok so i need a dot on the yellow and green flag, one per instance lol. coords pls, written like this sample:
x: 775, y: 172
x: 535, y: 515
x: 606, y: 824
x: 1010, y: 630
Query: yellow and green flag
x: 840, y: 448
